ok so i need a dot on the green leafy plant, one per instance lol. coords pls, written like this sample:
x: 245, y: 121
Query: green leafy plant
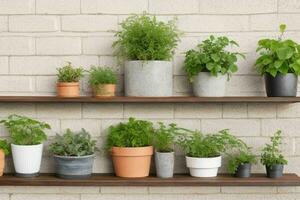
x: 145, y: 38
x: 271, y: 153
x: 68, y: 73
x: 73, y: 144
x: 211, y: 56
x: 243, y: 156
x: 5, y: 146
x: 278, y: 56
x: 209, y: 145
x: 99, y: 75
x: 134, y: 133
x: 25, y: 131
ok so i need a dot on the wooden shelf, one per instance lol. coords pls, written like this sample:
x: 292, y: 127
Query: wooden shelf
x: 175, y: 99
x: 178, y: 180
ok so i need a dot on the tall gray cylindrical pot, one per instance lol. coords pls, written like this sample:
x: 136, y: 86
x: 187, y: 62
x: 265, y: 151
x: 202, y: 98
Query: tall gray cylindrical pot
x: 73, y: 167
x: 281, y: 85
x: 148, y: 78
x: 164, y: 163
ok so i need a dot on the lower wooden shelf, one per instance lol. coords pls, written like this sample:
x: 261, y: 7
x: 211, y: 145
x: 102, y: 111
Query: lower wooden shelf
x: 178, y: 180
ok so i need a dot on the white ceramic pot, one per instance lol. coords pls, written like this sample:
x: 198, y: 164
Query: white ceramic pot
x: 203, y: 167
x: 148, y: 78
x: 27, y: 159
x: 206, y: 85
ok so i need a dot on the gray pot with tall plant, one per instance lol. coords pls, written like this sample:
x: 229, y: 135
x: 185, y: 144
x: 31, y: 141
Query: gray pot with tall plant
x: 146, y: 46
x: 210, y: 65
x: 73, y: 154
x: 279, y: 63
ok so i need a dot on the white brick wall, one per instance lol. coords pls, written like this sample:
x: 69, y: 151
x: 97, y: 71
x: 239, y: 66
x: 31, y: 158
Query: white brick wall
x: 37, y: 36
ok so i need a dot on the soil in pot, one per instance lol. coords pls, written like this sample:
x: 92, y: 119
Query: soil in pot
x: 104, y: 90
x: 72, y: 167
x: 243, y: 171
x: 68, y: 89
x: 274, y: 171
x: 203, y: 167
x: 132, y: 162
x: 206, y: 85
x: 281, y: 85
x: 2, y: 162
x: 164, y: 163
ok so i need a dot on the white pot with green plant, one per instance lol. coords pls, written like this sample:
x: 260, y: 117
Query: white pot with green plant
x: 103, y: 81
x: 68, y: 81
x: 210, y: 65
x: 147, y: 46
x: 27, y: 137
x: 73, y: 154
x: 203, y: 152
x: 272, y: 157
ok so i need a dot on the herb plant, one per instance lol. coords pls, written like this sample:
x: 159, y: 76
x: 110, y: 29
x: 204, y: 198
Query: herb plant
x: 278, y: 56
x: 100, y: 75
x: 68, y: 73
x: 271, y: 153
x: 25, y: 131
x: 211, y: 56
x: 146, y: 38
x: 243, y: 156
x: 134, y: 133
x: 164, y: 137
x: 73, y: 144
x: 5, y: 146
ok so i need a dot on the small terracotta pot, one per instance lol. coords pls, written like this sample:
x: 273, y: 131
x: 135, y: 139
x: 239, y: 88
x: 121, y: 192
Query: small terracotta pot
x: 2, y: 162
x: 132, y: 162
x: 104, y: 90
x: 68, y: 89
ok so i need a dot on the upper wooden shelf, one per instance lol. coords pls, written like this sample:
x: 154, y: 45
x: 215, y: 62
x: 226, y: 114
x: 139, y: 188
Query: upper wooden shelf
x: 175, y: 99
x: 178, y: 180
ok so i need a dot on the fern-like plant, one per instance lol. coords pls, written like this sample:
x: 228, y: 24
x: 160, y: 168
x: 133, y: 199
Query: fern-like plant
x: 102, y: 75
x: 164, y: 137
x: 68, y: 73
x: 243, y: 156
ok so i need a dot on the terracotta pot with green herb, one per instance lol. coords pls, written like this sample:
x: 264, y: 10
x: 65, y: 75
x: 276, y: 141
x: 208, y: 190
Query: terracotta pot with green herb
x: 130, y: 145
x: 272, y: 157
x: 4, y: 150
x: 27, y: 137
x: 74, y: 154
x: 103, y: 81
x: 279, y: 62
x: 68, y: 81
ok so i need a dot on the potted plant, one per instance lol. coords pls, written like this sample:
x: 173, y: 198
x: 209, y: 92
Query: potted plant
x: 210, y: 65
x: 103, y: 81
x: 74, y: 154
x: 68, y: 81
x: 148, y: 45
x: 203, y: 152
x: 279, y: 62
x: 130, y: 145
x: 272, y: 157
x: 27, y: 137
x: 163, y: 142
x: 240, y: 163
x: 4, y: 150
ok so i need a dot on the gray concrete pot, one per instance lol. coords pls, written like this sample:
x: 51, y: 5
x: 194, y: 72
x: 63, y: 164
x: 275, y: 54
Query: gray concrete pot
x: 164, y: 163
x: 281, y: 85
x: 275, y: 171
x: 148, y: 78
x: 206, y: 85
x: 243, y: 171
x: 72, y: 167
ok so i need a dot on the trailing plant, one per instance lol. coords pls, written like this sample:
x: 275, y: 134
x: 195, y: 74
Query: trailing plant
x: 25, y: 131
x: 5, y: 147
x: 209, y: 145
x: 211, y: 56
x: 164, y: 137
x: 278, y: 56
x: 243, y: 156
x: 271, y: 153
x: 68, y: 73
x: 134, y: 133
x: 99, y: 75
x: 145, y: 38
x: 73, y: 144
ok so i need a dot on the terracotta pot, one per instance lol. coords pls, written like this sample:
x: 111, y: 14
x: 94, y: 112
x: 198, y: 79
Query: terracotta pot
x: 2, y: 162
x: 68, y: 89
x: 104, y: 90
x: 132, y: 162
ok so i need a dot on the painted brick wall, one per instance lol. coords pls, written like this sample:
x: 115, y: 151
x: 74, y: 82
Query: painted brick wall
x: 37, y: 36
